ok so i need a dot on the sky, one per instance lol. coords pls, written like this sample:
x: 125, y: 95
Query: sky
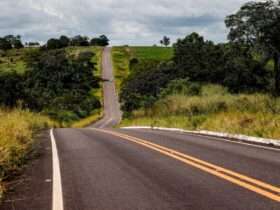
x: 132, y: 22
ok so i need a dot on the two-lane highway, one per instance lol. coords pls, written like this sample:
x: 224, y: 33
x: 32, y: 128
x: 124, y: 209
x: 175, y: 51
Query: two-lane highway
x: 101, y: 168
x: 140, y: 169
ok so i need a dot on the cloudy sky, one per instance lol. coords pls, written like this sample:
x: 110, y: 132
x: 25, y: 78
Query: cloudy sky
x: 137, y: 22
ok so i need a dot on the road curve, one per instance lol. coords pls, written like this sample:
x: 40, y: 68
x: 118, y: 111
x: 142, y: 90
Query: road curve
x: 114, y: 169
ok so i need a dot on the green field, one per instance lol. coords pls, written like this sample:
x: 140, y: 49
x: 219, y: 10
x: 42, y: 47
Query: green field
x: 153, y: 53
x: 122, y: 55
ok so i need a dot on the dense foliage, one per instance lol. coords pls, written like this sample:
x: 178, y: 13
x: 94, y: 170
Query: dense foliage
x: 10, y: 41
x: 78, y: 40
x: 257, y: 24
x: 242, y: 65
x: 54, y: 83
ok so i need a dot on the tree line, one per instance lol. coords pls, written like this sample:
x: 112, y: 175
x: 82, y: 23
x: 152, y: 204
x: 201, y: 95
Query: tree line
x: 78, y: 40
x: 10, y: 41
x: 249, y: 62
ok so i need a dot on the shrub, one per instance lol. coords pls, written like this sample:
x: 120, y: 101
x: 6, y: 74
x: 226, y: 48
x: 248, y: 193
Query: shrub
x: 181, y: 86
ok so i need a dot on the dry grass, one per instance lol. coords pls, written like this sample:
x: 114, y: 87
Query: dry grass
x: 17, y: 129
x: 215, y: 109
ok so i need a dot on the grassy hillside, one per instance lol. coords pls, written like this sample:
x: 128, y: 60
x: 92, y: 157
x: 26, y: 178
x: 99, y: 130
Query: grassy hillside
x: 122, y: 55
x: 13, y: 60
x: 17, y: 130
x: 214, y: 109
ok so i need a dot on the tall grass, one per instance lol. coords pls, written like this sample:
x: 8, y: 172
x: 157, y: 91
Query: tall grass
x: 121, y: 57
x: 17, y: 129
x: 214, y: 109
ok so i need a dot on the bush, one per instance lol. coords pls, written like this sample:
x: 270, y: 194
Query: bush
x: 143, y: 88
x: 181, y: 86
x: 11, y: 90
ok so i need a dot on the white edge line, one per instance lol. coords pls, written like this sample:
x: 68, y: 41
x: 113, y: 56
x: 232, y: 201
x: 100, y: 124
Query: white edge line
x: 57, y: 196
x: 220, y: 136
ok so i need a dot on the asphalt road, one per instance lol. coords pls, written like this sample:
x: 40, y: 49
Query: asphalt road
x: 114, y: 169
x: 112, y: 113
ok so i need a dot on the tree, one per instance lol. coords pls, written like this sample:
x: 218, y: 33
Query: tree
x: 242, y: 72
x: 142, y: 88
x: 18, y: 44
x: 189, y: 57
x: 165, y: 41
x: 15, y: 41
x: 4, y: 44
x: 64, y: 41
x: 257, y: 24
x: 61, y: 85
x: 32, y: 44
x: 79, y: 41
x: 100, y: 41
x: 104, y: 41
x: 53, y: 44
x: 95, y: 41
x: 11, y: 90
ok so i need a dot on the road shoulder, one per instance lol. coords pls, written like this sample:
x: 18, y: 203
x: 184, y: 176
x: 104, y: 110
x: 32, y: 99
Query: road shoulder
x: 33, y: 189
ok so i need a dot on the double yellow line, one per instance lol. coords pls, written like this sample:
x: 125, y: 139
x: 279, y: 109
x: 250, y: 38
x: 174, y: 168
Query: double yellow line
x: 257, y: 186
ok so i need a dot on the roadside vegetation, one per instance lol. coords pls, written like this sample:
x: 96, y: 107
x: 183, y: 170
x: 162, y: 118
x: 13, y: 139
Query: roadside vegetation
x: 17, y: 132
x: 124, y: 57
x: 97, y: 113
x: 230, y: 87
x: 61, y: 83
x: 55, y: 85
x: 211, y: 107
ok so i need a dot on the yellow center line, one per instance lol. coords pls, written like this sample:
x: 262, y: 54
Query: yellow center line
x: 257, y: 186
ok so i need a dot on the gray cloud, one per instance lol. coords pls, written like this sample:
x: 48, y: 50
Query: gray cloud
x: 174, y: 22
x: 124, y: 21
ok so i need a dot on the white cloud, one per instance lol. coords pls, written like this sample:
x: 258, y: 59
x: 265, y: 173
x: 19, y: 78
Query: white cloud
x: 124, y: 21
